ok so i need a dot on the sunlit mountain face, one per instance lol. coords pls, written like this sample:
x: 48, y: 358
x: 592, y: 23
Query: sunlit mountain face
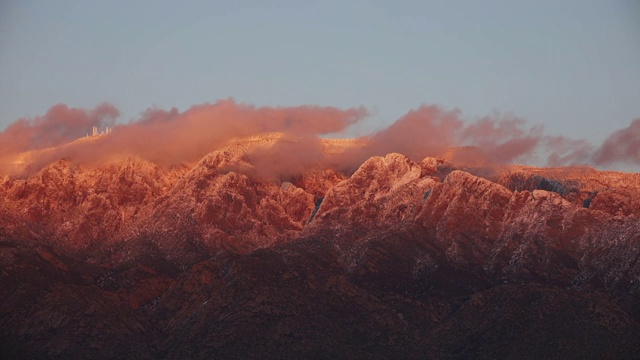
x: 229, y: 231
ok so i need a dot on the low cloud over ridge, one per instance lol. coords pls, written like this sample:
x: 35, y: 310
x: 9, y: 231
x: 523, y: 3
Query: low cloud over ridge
x: 171, y: 137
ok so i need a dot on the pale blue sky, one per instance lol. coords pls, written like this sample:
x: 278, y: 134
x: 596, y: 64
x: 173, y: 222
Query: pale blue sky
x: 573, y: 66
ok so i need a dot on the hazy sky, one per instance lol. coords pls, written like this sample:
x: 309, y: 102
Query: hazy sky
x: 572, y: 66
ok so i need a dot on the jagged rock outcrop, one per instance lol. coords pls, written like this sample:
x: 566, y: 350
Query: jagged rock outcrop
x: 384, y: 191
x: 83, y: 206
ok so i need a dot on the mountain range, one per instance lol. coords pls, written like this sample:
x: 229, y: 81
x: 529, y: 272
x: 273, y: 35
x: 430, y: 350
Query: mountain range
x: 446, y: 257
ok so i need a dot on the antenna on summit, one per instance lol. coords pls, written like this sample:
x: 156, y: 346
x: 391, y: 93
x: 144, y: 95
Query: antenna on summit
x: 95, y: 132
